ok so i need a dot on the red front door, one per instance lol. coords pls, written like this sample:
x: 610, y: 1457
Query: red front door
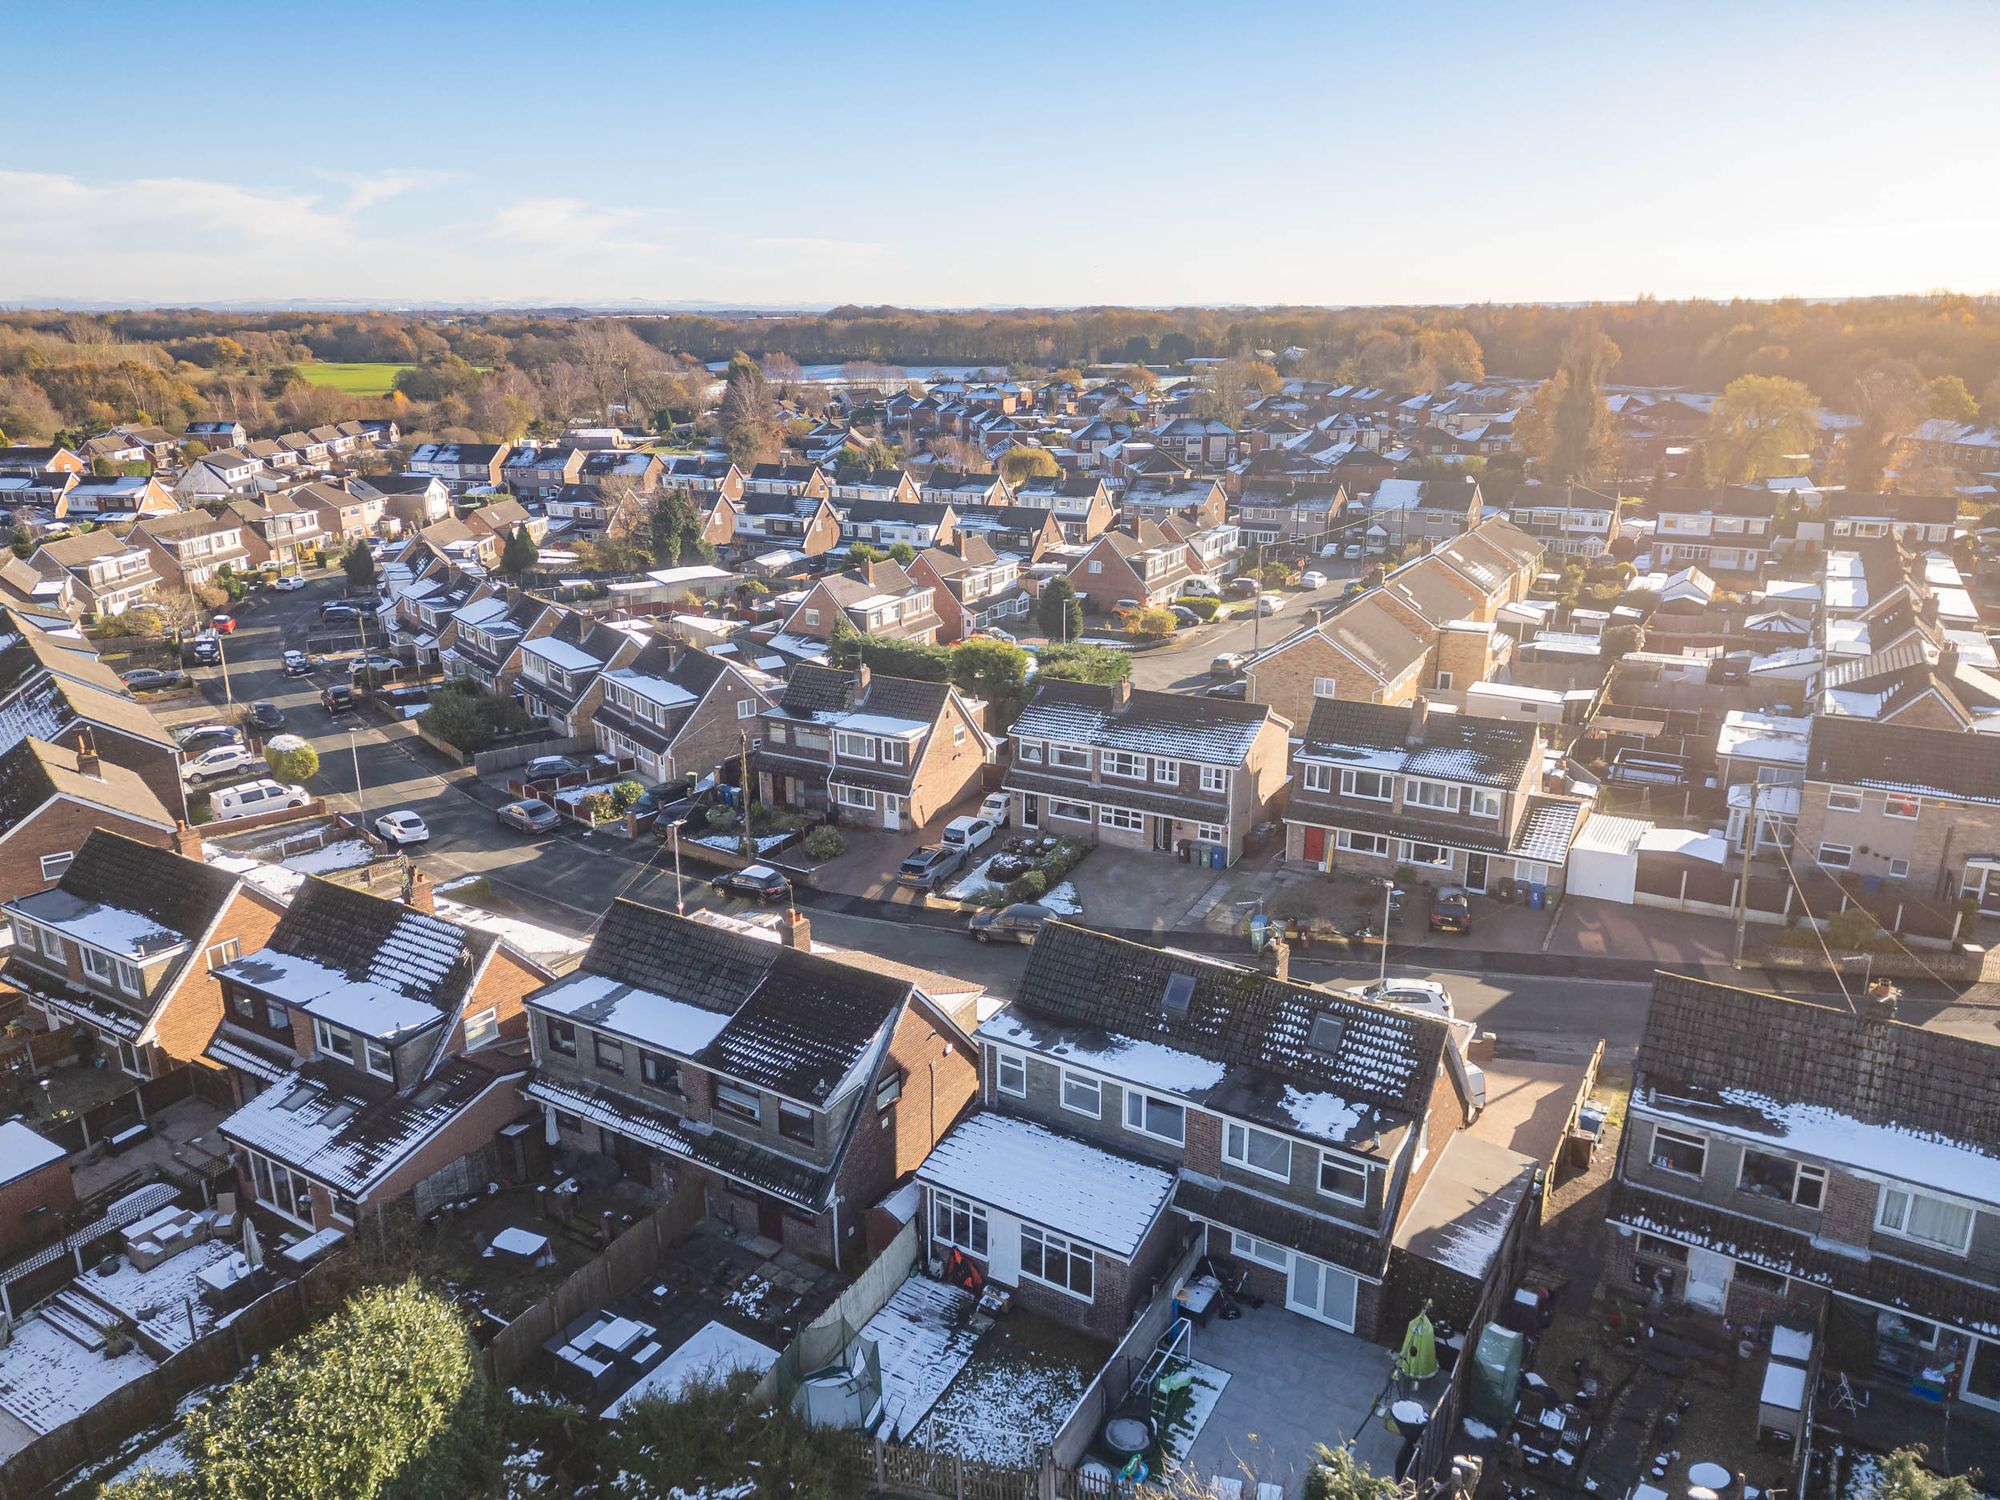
x: 1315, y: 846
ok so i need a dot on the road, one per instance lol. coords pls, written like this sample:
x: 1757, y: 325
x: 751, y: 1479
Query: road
x: 1183, y: 665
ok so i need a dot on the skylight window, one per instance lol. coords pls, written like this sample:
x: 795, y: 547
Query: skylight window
x: 1180, y: 990
x: 296, y: 1098
x: 340, y: 1114
x: 1326, y: 1033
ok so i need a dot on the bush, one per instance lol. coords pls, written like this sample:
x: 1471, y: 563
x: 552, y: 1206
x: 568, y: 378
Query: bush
x: 292, y: 760
x: 625, y: 793
x: 1030, y: 887
x: 1854, y: 931
x: 713, y: 1441
x: 722, y: 819
x: 598, y: 807
x: 825, y: 842
x: 1337, y: 1474
x: 1148, y: 624
x: 471, y: 721
x: 1200, y: 604
x: 1084, y: 663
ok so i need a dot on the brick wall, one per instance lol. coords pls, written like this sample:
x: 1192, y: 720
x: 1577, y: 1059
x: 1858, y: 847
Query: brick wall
x: 476, y: 1126
x: 1935, y: 842
x: 1466, y: 655
x: 194, y: 1010
x: 60, y: 828
x: 950, y: 766
x: 49, y: 1190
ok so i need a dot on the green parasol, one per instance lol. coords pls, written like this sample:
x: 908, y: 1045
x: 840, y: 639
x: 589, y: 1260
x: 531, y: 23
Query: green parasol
x: 1418, y: 1358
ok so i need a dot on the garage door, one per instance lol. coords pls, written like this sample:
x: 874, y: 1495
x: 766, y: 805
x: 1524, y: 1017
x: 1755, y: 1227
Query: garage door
x: 1606, y: 874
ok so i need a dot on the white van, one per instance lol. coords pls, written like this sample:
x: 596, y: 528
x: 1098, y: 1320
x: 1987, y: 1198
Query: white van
x: 248, y: 798
x: 1201, y: 586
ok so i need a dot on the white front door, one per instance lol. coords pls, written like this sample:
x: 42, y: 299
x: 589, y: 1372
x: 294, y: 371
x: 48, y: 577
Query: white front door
x: 892, y: 812
x: 1708, y: 1279
x: 1322, y: 1292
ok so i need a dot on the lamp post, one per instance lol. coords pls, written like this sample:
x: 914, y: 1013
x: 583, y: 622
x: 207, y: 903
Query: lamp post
x: 1389, y: 893
x: 354, y: 749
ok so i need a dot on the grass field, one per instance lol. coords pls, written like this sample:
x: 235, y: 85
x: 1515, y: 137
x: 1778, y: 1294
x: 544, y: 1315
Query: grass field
x: 355, y: 379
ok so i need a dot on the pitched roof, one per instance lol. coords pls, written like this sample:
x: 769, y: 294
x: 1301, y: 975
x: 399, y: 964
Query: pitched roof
x: 1214, y: 730
x: 1414, y: 740
x: 132, y: 897
x: 1945, y: 763
x: 34, y: 771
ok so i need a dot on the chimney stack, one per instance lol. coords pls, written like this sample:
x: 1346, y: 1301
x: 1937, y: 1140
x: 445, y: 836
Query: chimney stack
x: 1929, y: 609
x: 417, y: 892
x: 1420, y: 715
x: 861, y: 676
x: 187, y: 842
x: 1879, y: 1004
x: 1121, y: 693
x: 1278, y: 958
x: 86, y: 756
x: 794, y: 931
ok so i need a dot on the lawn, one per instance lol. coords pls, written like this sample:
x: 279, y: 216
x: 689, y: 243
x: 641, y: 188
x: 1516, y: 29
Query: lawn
x: 355, y: 379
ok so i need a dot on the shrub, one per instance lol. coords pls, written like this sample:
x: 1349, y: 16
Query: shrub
x: 625, y: 793
x: 1854, y: 930
x: 598, y: 807
x: 292, y: 759
x: 824, y: 842
x: 722, y: 819
x: 1030, y: 887
x: 1200, y: 604
x: 1337, y: 1474
x: 1148, y: 624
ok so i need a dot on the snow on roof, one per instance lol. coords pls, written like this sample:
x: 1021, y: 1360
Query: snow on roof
x: 653, y: 689
x: 808, y: 647
x: 1895, y: 1152
x: 695, y: 573
x: 860, y: 723
x: 713, y: 1352
x: 1606, y: 834
x: 1769, y: 737
x: 114, y: 929
x: 1686, y: 843
x: 1052, y: 1180
x: 651, y: 1019
x: 369, y: 1006
x: 562, y: 654
x: 23, y: 1152
x: 1130, y: 1059
x: 1328, y: 1117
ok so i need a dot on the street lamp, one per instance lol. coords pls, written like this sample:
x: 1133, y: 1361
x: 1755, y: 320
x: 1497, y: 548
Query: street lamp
x: 1389, y: 894
x: 680, y: 896
x: 354, y: 749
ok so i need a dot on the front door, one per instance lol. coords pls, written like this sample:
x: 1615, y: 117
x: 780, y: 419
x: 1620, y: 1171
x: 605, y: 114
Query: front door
x: 1313, y: 850
x: 892, y: 812
x: 1475, y: 872
x: 1708, y: 1279
x: 1031, y: 810
x: 770, y: 1219
x: 1321, y: 1292
x: 1163, y: 835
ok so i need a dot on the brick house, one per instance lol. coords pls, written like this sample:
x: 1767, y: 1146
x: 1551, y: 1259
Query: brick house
x: 1401, y: 511
x: 885, y: 523
x: 808, y: 525
x: 1143, y: 567
x: 539, y: 473
x: 562, y: 667
x: 1728, y: 531
x: 1193, y: 503
x: 1203, y: 442
x: 188, y: 548
x: 1917, y: 521
x: 462, y: 466
x: 344, y: 516
x: 887, y: 752
x: 675, y: 711
x: 704, y: 479
x: 277, y: 530
x: 1081, y: 503
x: 1145, y: 770
x: 1134, y: 1098
x: 1782, y: 1155
x: 503, y: 518
x: 950, y: 487
x: 852, y: 482
x: 372, y: 1045
x: 481, y: 639
x: 792, y: 481
x: 52, y: 796
x: 108, y: 575
x: 1910, y: 806
x: 1025, y: 532
x: 1370, y: 652
x: 973, y: 587
x: 1376, y: 787
x: 877, y: 598
x: 1291, y: 512
x: 54, y: 688
x: 126, y: 946
x: 794, y: 1089
x: 1568, y: 519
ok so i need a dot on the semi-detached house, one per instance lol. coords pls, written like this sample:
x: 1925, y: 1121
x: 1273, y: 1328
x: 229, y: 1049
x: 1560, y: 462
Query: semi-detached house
x: 675, y: 711
x: 1135, y: 1098
x: 561, y: 669
x: 1145, y: 770
x: 791, y: 1088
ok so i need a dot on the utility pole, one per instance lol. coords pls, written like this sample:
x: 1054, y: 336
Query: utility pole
x: 354, y: 749
x: 1743, y: 872
x: 749, y: 845
x: 1388, y: 895
x: 222, y: 657
x: 680, y: 894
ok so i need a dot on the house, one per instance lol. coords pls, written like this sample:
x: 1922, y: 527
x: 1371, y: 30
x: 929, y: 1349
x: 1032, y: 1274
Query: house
x: 790, y: 481
x: 1919, y: 808
x: 1912, y: 685
x: 633, y: 472
x: 216, y: 434
x: 1146, y: 770
x: 126, y: 945
x: 372, y: 1045
x: 1784, y: 1158
x: 1372, y: 651
x: 877, y: 598
x: 1131, y: 569
x: 503, y: 518
x: 30, y: 458
x: 1081, y: 503
x: 1134, y: 1097
x: 857, y: 483
x: 278, y: 531
x: 889, y: 523
x: 1377, y: 787
x: 1202, y: 442
x: 950, y: 487
x: 307, y: 451
x: 270, y: 455
x: 790, y: 1088
x: 887, y: 752
x: 52, y: 796
x: 1021, y: 530
x: 462, y: 466
x: 561, y: 669
x: 704, y: 478
x: 1567, y: 519
x: 538, y: 473
x: 1195, y: 503
x: 23, y: 586
x: 1423, y: 510
x: 1290, y: 512
x: 1917, y: 521
x: 347, y: 515
x: 481, y: 638
x: 675, y: 711
x: 217, y: 476
x: 53, y: 687
x: 474, y: 548
x: 808, y: 525
x: 108, y: 576
x: 409, y: 501
x: 1724, y: 531
x: 114, y: 500
x: 973, y: 587
x: 188, y: 548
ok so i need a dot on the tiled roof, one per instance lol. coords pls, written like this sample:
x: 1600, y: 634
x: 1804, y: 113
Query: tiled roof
x: 1412, y: 740
x: 1945, y: 763
x: 182, y: 895
x: 1212, y: 730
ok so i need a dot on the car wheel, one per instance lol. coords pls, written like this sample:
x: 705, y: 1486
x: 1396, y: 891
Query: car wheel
x: 979, y: 935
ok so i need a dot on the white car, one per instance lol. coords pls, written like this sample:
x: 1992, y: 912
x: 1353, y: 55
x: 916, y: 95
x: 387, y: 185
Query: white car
x: 1201, y: 586
x: 288, y: 583
x: 1312, y: 578
x: 1425, y: 995
x: 223, y: 760
x: 248, y: 798
x: 402, y: 828
x: 1270, y: 604
x: 1352, y: 551
x: 994, y: 809
x: 968, y: 833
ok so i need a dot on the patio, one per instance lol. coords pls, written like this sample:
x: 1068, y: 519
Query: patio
x: 1271, y: 1417
x: 184, y: 1142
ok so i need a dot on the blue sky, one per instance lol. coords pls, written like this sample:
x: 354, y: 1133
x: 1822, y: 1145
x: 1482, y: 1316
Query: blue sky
x: 1003, y: 155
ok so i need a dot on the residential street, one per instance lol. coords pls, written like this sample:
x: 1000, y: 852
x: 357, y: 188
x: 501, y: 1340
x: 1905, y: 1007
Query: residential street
x: 1183, y: 664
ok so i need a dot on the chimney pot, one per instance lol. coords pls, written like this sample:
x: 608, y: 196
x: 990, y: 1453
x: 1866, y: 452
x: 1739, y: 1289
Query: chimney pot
x: 794, y: 930
x: 86, y: 756
x: 1420, y: 713
x: 187, y: 842
x: 1278, y: 958
x: 417, y: 893
x: 861, y: 676
x: 1121, y: 693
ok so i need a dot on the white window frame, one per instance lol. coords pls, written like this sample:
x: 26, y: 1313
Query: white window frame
x: 948, y: 1209
x: 1843, y: 799
x: 746, y: 708
x: 1120, y: 817
x: 1166, y: 772
x: 1127, y: 765
x: 1835, y: 857
x: 862, y: 797
x: 1017, y: 1062
x: 1264, y: 1252
x: 1215, y: 778
x: 1680, y: 1138
x: 1893, y: 1225
x: 378, y: 1059
x: 1326, y: 687
x: 894, y: 752
x: 1420, y: 793
x: 1347, y: 841
x: 1316, y: 776
x: 1136, y: 1101
x: 53, y: 866
x: 482, y: 1028
x: 97, y: 964
x: 1236, y: 1138
x: 1410, y: 855
x: 812, y: 617
x: 851, y: 746
x: 335, y: 1041
x: 1210, y: 833
x: 1341, y: 1164
x: 1350, y: 785
x: 1089, y: 1100
x: 1069, y: 757
x: 1908, y: 799
x: 1482, y: 802
x: 749, y: 1103
x: 1801, y: 1172
x: 1069, y: 1251
x: 1070, y: 812
x: 1028, y: 751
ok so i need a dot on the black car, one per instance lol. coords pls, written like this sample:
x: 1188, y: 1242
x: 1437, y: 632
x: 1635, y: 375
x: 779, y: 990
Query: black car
x: 337, y: 699
x: 206, y: 650
x: 1242, y: 588
x: 1010, y: 924
x: 1184, y: 617
x: 754, y: 882
x: 1451, y: 909
x: 208, y: 738
x: 267, y: 716
x: 295, y: 664
x: 1238, y: 689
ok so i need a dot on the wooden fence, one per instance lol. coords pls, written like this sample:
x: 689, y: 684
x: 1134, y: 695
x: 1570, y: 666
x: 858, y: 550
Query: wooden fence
x: 626, y: 1262
x: 138, y: 1404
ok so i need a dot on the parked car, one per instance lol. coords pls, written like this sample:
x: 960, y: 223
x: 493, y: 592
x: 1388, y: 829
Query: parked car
x: 1451, y: 909
x: 295, y: 663
x: 267, y: 716
x: 1352, y: 551
x: 337, y: 609
x: 223, y: 760
x: 223, y: 624
x: 968, y: 833
x: 196, y: 738
x: 1201, y: 586
x: 1311, y: 579
x: 928, y: 867
x: 1330, y: 551
x: 1239, y: 689
x: 1020, y: 923
x: 994, y: 808
x: 288, y: 583
x: 152, y: 679
x: 402, y: 827
x: 754, y: 883
x: 337, y: 698
x: 530, y: 815
x: 1270, y: 604
x: 374, y: 661
x: 1426, y: 995
x: 248, y: 798
x: 205, y: 649
x: 546, y: 767
x: 1229, y: 665
x: 1184, y: 618
x: 1241, y: 588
